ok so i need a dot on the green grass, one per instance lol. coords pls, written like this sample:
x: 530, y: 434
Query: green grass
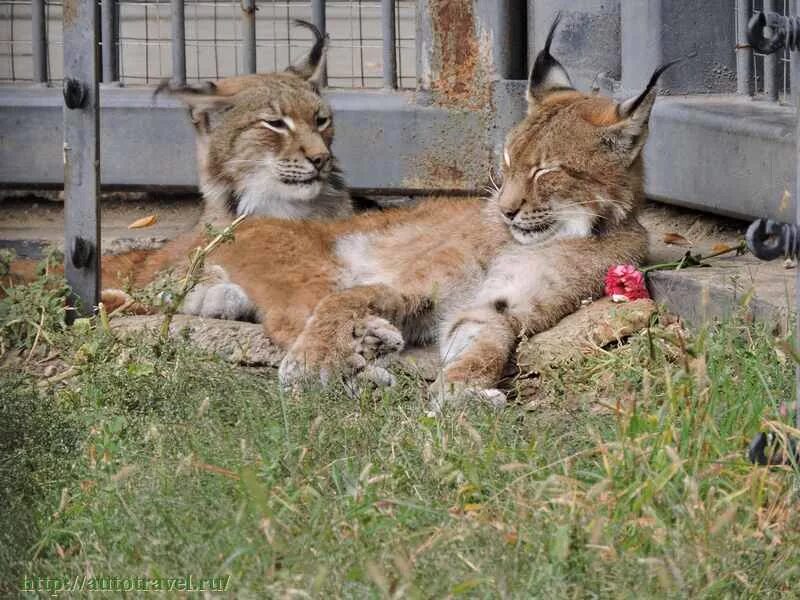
x: 628, y: 481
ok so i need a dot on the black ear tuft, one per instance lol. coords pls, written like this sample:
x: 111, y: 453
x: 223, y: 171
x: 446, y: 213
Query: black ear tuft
x: 547, y: 74
x: 627, y: 108
x: 627, y: 137
x: 311, y: 69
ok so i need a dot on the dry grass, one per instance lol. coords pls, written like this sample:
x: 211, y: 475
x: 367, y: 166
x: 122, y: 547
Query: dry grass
x: 629, y: 480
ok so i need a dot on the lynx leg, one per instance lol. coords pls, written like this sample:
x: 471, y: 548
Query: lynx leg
x: 475, y: 347
x: 349, y: 333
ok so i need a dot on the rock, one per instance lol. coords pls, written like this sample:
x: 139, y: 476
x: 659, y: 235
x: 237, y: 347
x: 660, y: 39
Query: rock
x: 592, y: 327
x: 584, y: 332
x: 245, y: 343
x: 234, y: 341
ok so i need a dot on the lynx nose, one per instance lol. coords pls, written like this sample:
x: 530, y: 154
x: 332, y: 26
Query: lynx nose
x: 511, y: 213
x: 320, y: 160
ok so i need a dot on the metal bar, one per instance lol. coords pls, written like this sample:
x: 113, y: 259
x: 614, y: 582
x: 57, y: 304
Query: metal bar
x: 318, y: 18
x: 178, y: 42
x: 794, y: 59
x: 771, y: 62
x: 81, y: 153
x: 744, y: 53
x: 248, y: 35
x: 39, y: 41
x: 795, y: 76
x: 389, y: 44
x: 108, y: 17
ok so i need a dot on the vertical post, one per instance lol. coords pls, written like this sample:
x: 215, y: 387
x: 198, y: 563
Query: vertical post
x: 248, y: 35
x: 81, y: 152
x: 178, y: 42
x: 108, y: 17
x: 389, y: 45
x: 318, y: 18
x: 39, y: 41
x: 744, y: 53
x: 771, y: 62
x: 795, y: 79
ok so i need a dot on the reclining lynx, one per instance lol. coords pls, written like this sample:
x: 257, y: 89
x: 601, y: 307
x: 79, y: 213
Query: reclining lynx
x: 264, y: 144
x: 473, y: 275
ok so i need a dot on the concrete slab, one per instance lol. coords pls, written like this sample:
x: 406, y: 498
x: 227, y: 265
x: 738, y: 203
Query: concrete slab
x: 764, y: 291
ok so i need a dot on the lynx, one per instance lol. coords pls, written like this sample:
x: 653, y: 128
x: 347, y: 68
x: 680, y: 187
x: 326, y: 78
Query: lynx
x: 264, y: 143
x: 473, y: 275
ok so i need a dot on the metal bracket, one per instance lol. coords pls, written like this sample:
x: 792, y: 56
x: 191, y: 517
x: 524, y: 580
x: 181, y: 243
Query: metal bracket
x: 770, y: 449
x: 768, y: 239
x: 784, y: 31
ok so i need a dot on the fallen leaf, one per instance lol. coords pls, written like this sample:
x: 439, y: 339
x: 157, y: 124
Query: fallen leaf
x: 717, y: 248
x: 676, y: 239
x: 143, y: 222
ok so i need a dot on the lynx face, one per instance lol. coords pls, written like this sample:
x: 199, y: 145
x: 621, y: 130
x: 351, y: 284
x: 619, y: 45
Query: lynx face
x: 264, y: 144
x: 276, y: 137
x: 572, y: 166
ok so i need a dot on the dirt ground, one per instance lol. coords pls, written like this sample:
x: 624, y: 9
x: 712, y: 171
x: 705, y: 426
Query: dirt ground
x: 29, y: 220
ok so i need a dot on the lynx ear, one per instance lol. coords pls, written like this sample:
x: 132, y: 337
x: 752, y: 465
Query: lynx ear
x: 203, y: 99
x: 203, y: 96
x: 547, y: 74
x: 311, y: 70
x: 629, y: 134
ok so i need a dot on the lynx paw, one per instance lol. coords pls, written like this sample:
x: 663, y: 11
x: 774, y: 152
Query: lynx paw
x: 220, y: 301
x: 373, y: 339
x: 443, y: 394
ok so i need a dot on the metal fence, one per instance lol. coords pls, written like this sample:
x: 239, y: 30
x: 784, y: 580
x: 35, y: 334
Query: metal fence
x: 762, y: 76
x: 221, y: 38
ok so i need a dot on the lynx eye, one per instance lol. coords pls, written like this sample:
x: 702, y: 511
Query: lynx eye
x: 323, y: 122
x: 278, y: 125
x: 537, y: 172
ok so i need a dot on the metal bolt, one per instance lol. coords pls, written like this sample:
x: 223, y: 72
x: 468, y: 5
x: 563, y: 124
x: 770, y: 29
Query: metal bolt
x: 81, y: 252
x: 74, y: 93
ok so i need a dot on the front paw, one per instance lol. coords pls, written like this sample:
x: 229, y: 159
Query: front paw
x: 453, y: 394
x: 360, y: 362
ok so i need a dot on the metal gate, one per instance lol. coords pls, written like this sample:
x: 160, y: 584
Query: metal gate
x: 406, y: 71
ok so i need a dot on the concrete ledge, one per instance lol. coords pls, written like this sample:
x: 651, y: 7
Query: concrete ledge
x: 384, y: 140
x: 763, y: 291
x: 725, y: 154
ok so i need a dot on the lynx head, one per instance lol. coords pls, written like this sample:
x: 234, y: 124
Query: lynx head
x: 573, y: 165
x: 264, y: 142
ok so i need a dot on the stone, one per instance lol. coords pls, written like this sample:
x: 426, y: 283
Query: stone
x: 246, y: 344
x: 590, y: 328
x: 234, y: 341
x: 584, y: 332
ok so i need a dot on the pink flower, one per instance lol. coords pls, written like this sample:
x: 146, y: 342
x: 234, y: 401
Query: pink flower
x: 626, y: 281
